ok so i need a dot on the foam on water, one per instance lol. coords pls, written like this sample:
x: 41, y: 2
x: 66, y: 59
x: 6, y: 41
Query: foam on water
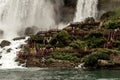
x: 7, y: 60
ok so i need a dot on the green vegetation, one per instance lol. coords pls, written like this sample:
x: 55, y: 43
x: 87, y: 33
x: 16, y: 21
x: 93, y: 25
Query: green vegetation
x: 92, y: 59
x: 86, y: 43
x: 77, y: 44
x: 112, y: 24
x: 115, y: 14
x: 95, y: 40
x: 60, y: 39
x: 37, y: 39
x: 73, y: 57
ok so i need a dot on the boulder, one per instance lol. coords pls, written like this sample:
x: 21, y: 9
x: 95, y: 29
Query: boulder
x: 9, y: 50
x: 89, y: 20
x: 1, y: 32
x: 18, y: 38
x: 5, y: 43
x: 29, y: 31
x: 107, y: 15
x: 0, y: 57
x: 115, y: 58
x: 105, y: 63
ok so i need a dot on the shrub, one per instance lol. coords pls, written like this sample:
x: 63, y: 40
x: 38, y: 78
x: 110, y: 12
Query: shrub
x: 92, y: 59
x: 96, y: 42
x: 78, y: 44
x: 37, y: 38
x: 112, y: 24
x: 61, y: 39
x: 50, y: 60
x: 49, y: 46
x: 107, y: 15
x: 116, y: 44
x: 93, y: 35
x: 65, y: 56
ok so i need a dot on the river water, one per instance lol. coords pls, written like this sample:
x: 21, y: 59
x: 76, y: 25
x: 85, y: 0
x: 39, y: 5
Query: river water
x: 58, y: 74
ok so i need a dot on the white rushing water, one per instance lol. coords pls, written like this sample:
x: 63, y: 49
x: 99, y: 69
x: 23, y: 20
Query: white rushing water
x: 16, y: 16
x: 7, y: 60
x: 85, y: 9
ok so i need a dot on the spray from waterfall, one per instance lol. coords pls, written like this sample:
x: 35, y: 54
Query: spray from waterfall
x: 85, y: 9
x: 17, y: 15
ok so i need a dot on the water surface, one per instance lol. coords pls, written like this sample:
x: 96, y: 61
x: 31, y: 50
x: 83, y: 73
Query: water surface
x: 59, y: 74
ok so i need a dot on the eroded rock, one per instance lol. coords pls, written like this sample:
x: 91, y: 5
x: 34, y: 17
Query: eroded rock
x: 18, y: 38
x: 105, y: 63
x: 115, y: 58
x: 89, y: 20
x: 5, y: 43
x: 9, y: 50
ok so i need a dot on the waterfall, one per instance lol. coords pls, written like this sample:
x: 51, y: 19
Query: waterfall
x: 7, y: 59
x: 85, y: 9
x: 16, y: 15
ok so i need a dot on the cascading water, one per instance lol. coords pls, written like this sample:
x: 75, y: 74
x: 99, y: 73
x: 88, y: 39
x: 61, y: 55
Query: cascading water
x: 16, y: 16
x: 85, y: 9
x: 9, y: 54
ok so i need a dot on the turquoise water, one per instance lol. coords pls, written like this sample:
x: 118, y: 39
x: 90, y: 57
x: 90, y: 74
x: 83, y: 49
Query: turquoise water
x: 59, y: 74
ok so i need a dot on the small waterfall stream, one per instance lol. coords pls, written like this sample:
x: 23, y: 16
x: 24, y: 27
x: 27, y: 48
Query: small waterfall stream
x: 8, y: 58
x: 85, y: 9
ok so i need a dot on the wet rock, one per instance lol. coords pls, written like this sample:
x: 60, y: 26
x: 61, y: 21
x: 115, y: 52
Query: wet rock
x: 29, y: 31
x: 9, y: 50
x: 0, y: 57
x: 115, y: 58
x: 5, y: 43
x: 1, y: 32
x: 18, y: 38
x: 89, y: 20
x: 106, y: 15
x: 105, y: 63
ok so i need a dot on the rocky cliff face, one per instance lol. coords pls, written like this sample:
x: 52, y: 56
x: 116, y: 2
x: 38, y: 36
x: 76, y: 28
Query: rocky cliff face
x: 107, y: 5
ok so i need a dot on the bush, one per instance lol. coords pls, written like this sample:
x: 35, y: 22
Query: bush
x: 78, y: 44
x: 72, y: 38
x: 107, y: 15
x: 37, y: 39
x: 65, y: 56
x: 61, y: 39
x: 116, y: 14
x: 96, y: 42
x: 93, y: 35
x: 50, y: 60
x: 49, y: 46
x: 112, y: 24
x: 92, y: 59
x: 116, y: 44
